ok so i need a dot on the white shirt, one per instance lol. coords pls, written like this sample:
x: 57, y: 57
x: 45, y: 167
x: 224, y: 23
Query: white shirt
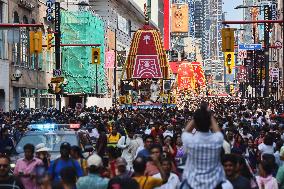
x: 265, y: 149
x: 129, y: 147
x: 173, y: 181
x: 203, y: 168
x: 94, y: 133
x: 226, y: 147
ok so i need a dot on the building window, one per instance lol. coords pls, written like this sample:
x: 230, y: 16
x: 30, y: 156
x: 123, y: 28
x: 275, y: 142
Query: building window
x: 1, y: 32
x: 16, y: 46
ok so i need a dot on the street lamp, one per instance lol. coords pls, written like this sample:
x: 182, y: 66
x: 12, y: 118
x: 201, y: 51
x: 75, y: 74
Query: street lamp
x: 241, y: 7
x: 245, y: 7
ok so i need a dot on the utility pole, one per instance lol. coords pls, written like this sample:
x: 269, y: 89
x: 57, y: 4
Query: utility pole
x: 57, y: 35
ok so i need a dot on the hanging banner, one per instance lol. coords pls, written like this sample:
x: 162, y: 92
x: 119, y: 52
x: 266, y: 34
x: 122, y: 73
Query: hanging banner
x: 186, y: 78
x: 110, y: 58
x: 198, y: 74
x: 179, y: 18
x: 242, y: 74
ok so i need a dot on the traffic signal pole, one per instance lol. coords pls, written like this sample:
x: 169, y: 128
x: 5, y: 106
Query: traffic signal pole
x: 57, y: 35
x: 267, y: 23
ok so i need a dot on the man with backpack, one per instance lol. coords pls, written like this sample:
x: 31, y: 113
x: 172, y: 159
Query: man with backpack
x: 62, y: 162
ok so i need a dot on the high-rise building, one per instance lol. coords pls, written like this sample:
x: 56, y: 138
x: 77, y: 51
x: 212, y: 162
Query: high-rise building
x: 207, y: 21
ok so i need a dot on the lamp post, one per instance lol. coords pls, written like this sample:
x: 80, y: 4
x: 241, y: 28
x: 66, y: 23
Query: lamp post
x: 255, y: 85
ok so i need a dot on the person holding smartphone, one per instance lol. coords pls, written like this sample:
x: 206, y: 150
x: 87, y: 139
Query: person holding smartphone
x: 203, y: 168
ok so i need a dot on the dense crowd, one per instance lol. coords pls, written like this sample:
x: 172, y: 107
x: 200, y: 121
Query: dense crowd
x: 210, y: 143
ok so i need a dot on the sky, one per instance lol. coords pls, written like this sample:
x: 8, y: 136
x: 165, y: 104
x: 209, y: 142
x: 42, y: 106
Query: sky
x: 232, y: 14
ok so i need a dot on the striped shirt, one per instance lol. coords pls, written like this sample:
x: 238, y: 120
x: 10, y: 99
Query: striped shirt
x: 203, y: 169
x: 11, y: 183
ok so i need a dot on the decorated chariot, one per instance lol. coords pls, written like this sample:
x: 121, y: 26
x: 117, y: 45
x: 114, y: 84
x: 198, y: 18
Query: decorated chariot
x: 146, y: 76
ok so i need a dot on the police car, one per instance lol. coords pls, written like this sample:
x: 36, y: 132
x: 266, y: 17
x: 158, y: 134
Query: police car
x: 53, y: 135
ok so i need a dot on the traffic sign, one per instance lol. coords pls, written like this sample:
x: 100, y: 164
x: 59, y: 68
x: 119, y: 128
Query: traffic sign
x: 242, y: 54
x: 278, y: 45
x: 250, y: 47
x: 57, y: 79
x: 57, y: 73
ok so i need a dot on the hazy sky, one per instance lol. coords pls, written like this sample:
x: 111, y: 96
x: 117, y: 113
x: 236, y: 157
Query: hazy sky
x: 233, y: 14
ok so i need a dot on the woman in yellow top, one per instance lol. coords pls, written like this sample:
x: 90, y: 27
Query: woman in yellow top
x: 144, y: 181
x: 76, y: 154
x: 113, y: 137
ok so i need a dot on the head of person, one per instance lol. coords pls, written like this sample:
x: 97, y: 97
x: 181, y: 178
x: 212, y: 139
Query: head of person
x: 120, y: 165
x: 4, y: 165
x: 166, y: 165
x: 29, y: 151
x: 4, y: 132
x: 139, y: 165
x: 148, y: 141
x: 65, y: 149
x: 230, y: 162
x: 202, y: 118
x: 168, y: 140
x: 156, y: 151
x: 123, y: 183
x: 250, y: 143
x: 68, y: 177
x: 178, y: 140
x: 114, y: 131
x: 265, y: 168
x: 95, y: 164
x: 268, y: 139
x: 157, y: 125
x: 130, y: 133
x: 76, y: 152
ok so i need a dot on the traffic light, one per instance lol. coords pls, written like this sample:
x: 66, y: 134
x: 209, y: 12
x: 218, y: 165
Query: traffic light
x: 49, y: 41
x: 50, y: 88
x: 96, y: 56
x: 231, y: 89
x: 58, y: 88
x: 35, y: 42
x: 228, y: 40
x: 229, y: 61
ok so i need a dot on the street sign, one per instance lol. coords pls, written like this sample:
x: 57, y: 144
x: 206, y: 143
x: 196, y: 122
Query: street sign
x: 49, y: 10
x: 250, y: 47
x: 57, y: 80
x: 278, y: 45
x: 242, y: 54
x: 273, y: 9
x: 57, y: 73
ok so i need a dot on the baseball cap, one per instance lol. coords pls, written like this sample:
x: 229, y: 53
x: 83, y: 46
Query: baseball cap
x: 94, y: 160
x: 65, y: 145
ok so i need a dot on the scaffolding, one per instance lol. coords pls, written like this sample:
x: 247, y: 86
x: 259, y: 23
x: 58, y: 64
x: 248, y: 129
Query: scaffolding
x: 82, y: 27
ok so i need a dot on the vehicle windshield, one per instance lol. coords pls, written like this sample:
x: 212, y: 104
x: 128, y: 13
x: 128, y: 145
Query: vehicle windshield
x: 51, y: 141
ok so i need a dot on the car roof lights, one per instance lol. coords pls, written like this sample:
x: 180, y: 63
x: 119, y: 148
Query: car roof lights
x: 53, y: 127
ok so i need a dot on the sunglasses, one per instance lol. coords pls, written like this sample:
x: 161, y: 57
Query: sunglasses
x: 4, y: 165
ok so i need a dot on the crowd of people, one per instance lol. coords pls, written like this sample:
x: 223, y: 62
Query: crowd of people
x: 210, y: 143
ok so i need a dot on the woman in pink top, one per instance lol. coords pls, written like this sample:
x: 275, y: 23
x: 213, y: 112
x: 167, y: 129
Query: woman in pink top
x: 265, y: 180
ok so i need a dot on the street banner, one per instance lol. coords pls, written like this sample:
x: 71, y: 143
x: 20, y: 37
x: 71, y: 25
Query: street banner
x: 110, y: 59
x: 179, y: 18
x: 198, y: 74
x: 242, y: 74
x: 186, y: 78
x: 274, y: 74
x: 248, y: 59
x: 242, y: 54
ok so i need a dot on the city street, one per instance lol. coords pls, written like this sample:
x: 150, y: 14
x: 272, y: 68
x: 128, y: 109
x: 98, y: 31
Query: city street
x: 141, y: 94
